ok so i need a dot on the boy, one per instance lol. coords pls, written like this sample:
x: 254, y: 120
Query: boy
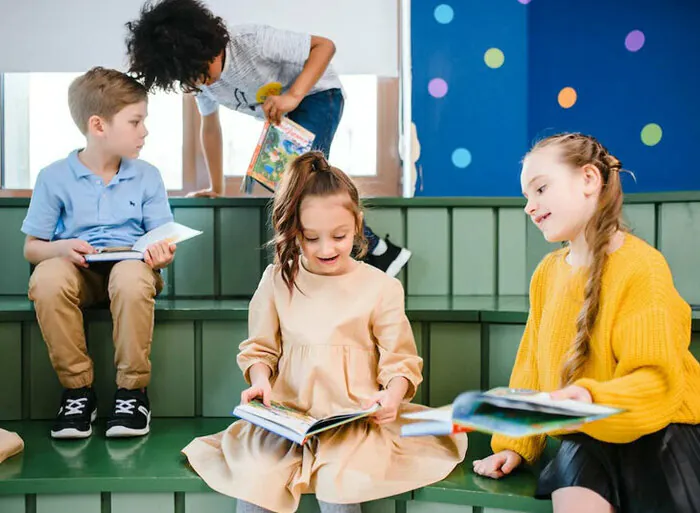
x: 101, y: 196
x: 255, y: 69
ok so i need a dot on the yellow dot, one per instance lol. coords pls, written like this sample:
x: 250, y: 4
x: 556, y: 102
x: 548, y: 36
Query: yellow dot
x: 494, y: 58
x: 567, y: 97
x: 651, y: 134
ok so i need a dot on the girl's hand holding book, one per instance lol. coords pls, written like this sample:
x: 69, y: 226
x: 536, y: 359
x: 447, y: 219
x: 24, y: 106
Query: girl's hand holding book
x: 389, y: 400
x: 262, y: 391
x: 573, y: 392
x: 259, y: 385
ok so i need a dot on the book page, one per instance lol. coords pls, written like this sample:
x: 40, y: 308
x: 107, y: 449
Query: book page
x: 442, y: 414
x: 279, y: 414
x: 528, y: 399
x: 171, y: 232
x: 341, y: 418
x: 114, y: 256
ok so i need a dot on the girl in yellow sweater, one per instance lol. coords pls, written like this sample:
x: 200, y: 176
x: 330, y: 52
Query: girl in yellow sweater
x: 606, y: 325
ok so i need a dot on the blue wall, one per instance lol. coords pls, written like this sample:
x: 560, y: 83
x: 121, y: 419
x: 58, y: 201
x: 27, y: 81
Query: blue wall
x: 496, y: 113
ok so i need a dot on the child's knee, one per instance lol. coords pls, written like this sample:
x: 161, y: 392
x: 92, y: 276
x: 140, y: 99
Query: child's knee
x: 132, y: 280
x: 53, y: 279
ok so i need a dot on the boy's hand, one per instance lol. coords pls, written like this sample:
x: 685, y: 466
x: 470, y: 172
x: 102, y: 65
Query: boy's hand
x: 73, y: 250
x: 498, y: 465
x: 260, y: 389
x: 389, y: 400
x: 277, y: 106
x: 159, y: 255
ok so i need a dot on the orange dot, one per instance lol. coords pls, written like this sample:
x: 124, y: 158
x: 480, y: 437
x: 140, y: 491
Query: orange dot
x: 567, y: 97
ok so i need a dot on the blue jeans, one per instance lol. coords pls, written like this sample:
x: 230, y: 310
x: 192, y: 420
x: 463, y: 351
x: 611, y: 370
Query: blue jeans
x: 320, y: 113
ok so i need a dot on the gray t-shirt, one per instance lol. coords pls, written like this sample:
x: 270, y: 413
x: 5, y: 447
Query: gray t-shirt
x: 259, y: 61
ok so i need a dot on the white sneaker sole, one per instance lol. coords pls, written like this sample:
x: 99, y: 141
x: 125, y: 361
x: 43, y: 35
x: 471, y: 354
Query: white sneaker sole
x: 125, y: 432
x: 72, y: 433
x: 398, y: 263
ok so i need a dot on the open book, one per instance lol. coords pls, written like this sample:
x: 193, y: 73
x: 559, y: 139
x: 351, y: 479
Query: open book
x: 292, y: 424
x: 514, y: 413
x: 171, y: 232
x: 277, y: 147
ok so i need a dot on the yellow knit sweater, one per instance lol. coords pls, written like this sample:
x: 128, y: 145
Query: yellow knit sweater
x: 639, y: 357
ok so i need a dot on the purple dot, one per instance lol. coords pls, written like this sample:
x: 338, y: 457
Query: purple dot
x: 437, y: 87
x: 524, y: 2
x: 634, y: 40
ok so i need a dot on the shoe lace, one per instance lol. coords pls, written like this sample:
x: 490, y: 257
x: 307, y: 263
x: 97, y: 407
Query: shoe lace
x: 125, y: 406
x: 75, y: 406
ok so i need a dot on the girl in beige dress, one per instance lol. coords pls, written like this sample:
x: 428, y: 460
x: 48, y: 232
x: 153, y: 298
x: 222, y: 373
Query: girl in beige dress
x: 327, y: 334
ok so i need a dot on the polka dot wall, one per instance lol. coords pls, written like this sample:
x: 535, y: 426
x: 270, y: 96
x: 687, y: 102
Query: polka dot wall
x: 489, y: 80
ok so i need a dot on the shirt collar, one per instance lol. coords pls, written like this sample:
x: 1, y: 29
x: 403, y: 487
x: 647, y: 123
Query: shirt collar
x: 126, y: 168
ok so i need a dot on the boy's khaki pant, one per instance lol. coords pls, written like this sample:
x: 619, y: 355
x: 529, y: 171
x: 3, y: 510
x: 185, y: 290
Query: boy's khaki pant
x: 60, y: 289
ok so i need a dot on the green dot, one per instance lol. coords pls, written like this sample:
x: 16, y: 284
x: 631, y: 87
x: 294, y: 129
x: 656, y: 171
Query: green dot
x: 494, y: 58
x: 651, y: 134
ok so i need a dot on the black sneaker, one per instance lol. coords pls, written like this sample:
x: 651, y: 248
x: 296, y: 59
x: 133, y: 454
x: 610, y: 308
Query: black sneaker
x: 131, y: 415
x: 392, y: 260
x: 76, y: 414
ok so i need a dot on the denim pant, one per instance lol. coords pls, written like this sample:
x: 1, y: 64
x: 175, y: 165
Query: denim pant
x: 320, y: 113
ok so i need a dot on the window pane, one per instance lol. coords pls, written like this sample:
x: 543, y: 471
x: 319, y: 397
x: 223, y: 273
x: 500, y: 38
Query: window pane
x: 39, y: 129
x: 354, y: 148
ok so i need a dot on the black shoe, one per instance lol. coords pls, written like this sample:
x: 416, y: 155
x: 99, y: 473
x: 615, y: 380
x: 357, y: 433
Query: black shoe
x: 77, y: 413
x: 131, y: 415
x: 392, y: 260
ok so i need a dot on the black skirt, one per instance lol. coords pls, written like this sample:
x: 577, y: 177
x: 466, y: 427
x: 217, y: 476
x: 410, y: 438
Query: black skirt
x: 657, y: 473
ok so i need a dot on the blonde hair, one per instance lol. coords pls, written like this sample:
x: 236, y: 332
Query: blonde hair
x: 579, y: 150
x: 309, y: 174
x: 102, y: 92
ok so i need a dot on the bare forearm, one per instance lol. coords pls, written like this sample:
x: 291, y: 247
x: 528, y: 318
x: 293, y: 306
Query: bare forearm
x: 259, y: 373
x: 36, y: 251
x: 398, y: 387
x: 320, y: 55
x: 212, y: 145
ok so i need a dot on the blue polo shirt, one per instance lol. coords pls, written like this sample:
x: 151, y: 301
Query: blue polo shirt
x: 71, y: 202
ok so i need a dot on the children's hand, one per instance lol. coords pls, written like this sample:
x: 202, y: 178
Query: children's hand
x: 277, y: 106
x: 498, y: 465
x: 74, y: 250
x: 159, y: 255
x: 261, y: 389
x: 573, y: 392
x: 389, y: 402
x: 204, y: 193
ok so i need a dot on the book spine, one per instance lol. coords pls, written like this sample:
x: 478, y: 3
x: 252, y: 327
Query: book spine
x: 258, y: 148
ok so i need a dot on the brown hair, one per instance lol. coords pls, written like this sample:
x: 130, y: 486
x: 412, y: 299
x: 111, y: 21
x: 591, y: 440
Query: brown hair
x: 102, y: 92
x: 579, y: 150
x: 309, y: 174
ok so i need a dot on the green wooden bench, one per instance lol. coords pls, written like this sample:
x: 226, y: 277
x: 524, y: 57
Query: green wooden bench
x: 466, y: 342
x: 149, y: 473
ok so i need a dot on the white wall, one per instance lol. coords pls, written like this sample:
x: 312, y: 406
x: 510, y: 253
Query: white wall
x: 74, y: 35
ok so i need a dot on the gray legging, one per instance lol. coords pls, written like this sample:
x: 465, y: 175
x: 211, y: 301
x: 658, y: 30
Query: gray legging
x: 247, y: 507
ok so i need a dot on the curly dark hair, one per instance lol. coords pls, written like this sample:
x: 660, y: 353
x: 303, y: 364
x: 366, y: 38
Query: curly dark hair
x: 172, y: 44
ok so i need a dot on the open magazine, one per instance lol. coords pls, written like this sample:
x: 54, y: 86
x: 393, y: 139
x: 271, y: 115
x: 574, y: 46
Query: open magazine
x: 505, y: 411
x: 292, y: 424
x: 171, y: 232
x: 277, y: 147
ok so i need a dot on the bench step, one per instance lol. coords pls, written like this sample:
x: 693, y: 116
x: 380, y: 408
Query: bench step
x: 153, y: 464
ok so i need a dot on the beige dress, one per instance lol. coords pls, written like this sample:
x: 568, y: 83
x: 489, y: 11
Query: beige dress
x: 10, y: 444
x: 330, y: 346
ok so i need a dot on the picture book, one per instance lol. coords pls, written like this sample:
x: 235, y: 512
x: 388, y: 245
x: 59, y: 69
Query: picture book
x: 510, y: 412
x: 171, y: 232
x: 292, y: 424
x: 277, y: 147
